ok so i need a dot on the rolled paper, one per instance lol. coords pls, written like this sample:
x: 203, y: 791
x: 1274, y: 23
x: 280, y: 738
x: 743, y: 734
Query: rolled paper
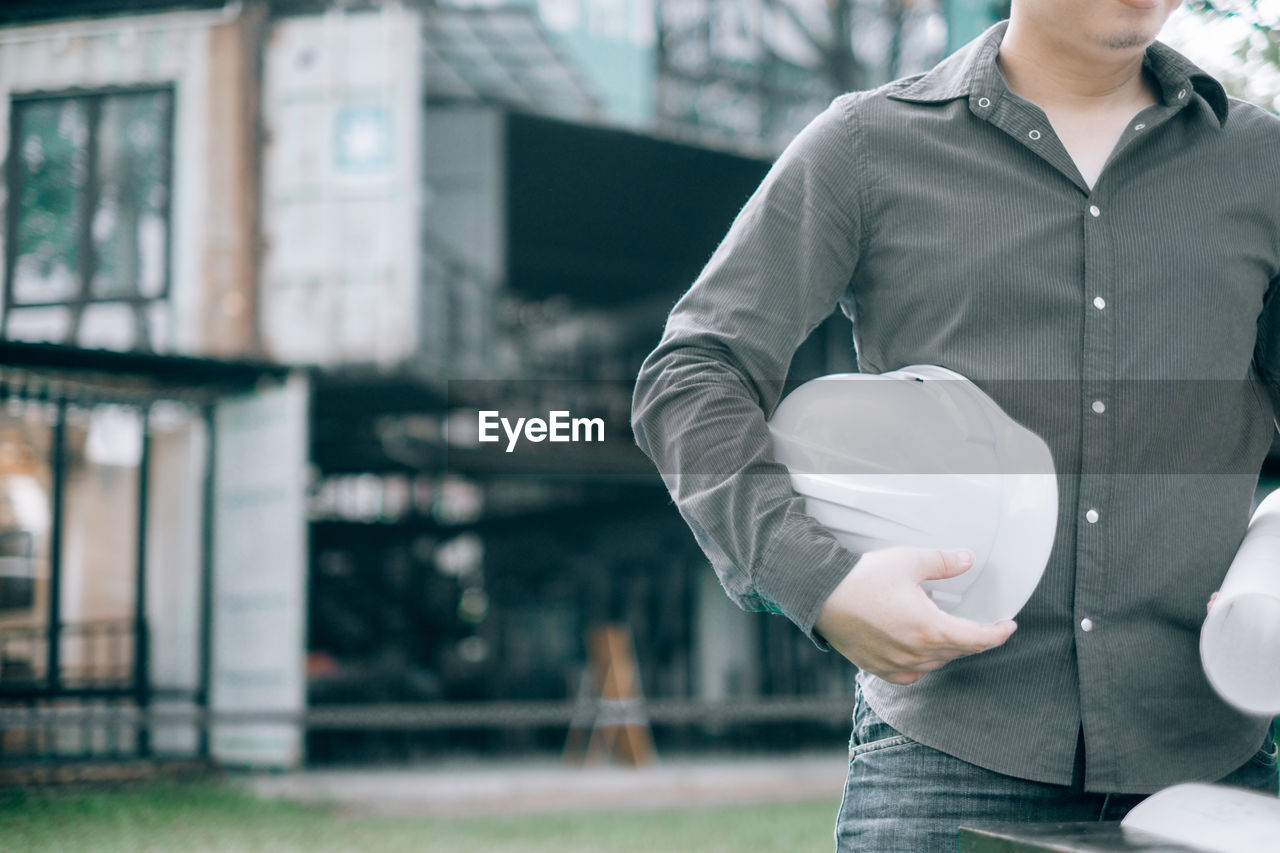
x: 1240, y: 639
x: 1211, y: 818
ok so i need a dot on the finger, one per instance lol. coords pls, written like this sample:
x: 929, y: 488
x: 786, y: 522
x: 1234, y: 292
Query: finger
x: 922, y: 660
x: 902, y: 677
x: 913, y: 664
x: 970, y: 638
x: 943, y: 564
x: 929, y: 665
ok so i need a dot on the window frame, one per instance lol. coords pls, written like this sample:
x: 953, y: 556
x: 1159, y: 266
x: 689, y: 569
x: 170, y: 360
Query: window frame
x: 86, y: 199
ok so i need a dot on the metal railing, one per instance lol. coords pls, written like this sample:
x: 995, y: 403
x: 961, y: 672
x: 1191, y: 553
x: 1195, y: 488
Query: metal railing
x: 94, y: 657
x: 75, y: 692
x: 438, y: 716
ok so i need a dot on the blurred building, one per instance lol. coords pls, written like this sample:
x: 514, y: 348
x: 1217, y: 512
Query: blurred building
x: 166, y: 455
x: 410, y: 206
x: 139, y: 495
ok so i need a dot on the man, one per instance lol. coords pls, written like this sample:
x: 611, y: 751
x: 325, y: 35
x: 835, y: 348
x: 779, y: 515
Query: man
x: 1079, y: 220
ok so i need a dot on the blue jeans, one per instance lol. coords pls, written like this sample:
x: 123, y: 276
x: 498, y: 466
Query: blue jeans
x: 904, y: 797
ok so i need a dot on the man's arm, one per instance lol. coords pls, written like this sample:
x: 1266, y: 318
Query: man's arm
x: 704, y: 393
x: 1266, y: 350
x: 702, y: 396
x: 700, y: 409
x: 1266, y: 362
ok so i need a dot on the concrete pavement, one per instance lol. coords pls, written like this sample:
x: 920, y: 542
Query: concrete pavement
x: 493, y: 787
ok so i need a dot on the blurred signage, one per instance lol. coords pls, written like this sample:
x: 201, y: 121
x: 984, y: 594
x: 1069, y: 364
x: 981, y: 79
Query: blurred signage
x: 259, y: 564
x: 363, y: 139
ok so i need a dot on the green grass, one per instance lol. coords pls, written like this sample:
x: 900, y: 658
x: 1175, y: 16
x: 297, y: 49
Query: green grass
x: 211, y: 816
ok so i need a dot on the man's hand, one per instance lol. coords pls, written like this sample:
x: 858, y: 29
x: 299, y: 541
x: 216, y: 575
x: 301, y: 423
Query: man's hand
x: 881, y: 619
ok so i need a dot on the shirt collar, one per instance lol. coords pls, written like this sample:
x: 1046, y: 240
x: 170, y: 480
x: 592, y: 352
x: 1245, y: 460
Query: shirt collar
x: 972, y: 70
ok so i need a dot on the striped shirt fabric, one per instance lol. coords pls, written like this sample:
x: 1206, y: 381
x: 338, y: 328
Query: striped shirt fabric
x: 1130, y: 324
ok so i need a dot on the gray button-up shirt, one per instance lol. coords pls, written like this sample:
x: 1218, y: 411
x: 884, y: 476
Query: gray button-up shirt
x: 1128, y: 324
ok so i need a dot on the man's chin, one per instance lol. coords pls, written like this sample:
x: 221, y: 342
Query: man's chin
x: 1128, y: 40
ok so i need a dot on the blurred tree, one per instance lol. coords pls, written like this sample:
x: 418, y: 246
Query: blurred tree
x: 1252, y: 29
x: 755, y: 71
x: 1267, y: 17
x: 50, y: 139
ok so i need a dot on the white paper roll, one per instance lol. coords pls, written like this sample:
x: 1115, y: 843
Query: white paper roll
x: 1212, y: 818
x: 1240, y: 639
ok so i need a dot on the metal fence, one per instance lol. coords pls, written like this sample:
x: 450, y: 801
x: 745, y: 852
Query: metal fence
x: 87, y: 700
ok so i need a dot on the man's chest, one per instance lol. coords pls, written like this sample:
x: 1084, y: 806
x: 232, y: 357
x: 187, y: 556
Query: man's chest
x: 982, y: 251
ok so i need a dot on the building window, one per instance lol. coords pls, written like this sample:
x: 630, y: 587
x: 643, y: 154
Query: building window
x: 87, y: 241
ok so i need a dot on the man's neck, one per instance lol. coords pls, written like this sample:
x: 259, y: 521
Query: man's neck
x: 1052, y: 75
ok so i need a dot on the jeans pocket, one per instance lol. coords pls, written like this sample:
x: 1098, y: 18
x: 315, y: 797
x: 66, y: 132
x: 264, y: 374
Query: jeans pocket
x: 870, y: 733
x: 1265, y: 756
x: 880, y: 744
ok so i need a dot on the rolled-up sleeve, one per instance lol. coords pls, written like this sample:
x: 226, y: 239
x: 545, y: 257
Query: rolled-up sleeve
x: 704, y: 393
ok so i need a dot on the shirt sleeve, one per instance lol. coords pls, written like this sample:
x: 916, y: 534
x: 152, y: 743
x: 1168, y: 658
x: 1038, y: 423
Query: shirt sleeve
x: 704, y: 393
x: 1266, y: 352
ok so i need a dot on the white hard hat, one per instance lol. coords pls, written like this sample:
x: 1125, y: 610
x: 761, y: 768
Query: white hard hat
x: 922, y: 457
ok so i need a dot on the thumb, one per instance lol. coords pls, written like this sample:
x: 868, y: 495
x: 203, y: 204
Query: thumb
x: 937, y: 565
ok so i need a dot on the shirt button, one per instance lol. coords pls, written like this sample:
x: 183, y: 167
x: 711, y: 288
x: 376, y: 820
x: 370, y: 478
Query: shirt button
x: 1139, y: 126
x: 1182, y: 93
x: 1091, y: 516
x: 1099, y: 406
x: 1094, y: 211
x: 1099, y: 303
x: 1035, y: 134
x: 984, y: 102
x: 1086, y: 624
